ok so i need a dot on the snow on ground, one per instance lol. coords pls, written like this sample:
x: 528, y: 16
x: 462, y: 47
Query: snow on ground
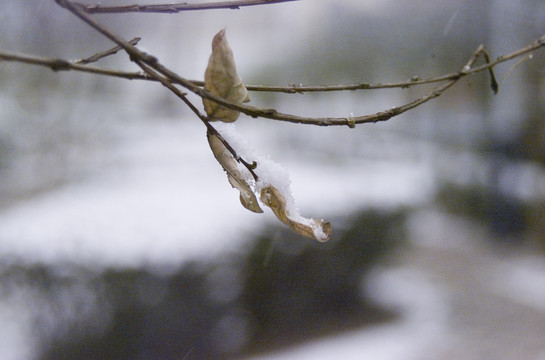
x: 162, y: 198
x: 465, y: 301
x: 522, y: 280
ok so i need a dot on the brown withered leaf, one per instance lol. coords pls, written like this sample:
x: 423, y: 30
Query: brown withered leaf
x: 313, y: 228
x: 221, y: 79
x: 229, y: 164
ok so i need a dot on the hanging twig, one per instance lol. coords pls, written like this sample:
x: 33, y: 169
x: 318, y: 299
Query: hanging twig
x: 481, y: 51
x: 175, y: 8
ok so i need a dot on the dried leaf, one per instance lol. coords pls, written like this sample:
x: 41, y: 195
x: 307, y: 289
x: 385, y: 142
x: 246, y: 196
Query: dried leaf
x: 221, y: 79
x: 229, y: 164
x: 313, y: 228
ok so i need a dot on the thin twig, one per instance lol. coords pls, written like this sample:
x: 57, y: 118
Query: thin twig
x: 515, y: 65
x: 481, y: 51
x: 65, y: 65
x: 175, y: 8
x: 96, y: 57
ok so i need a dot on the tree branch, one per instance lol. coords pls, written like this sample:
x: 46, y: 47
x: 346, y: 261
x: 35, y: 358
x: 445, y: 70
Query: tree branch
x: 62, y: 64
x: 194, y: 87
x: 155, y: 71
x: 175, y: 8
x: 66, y: 65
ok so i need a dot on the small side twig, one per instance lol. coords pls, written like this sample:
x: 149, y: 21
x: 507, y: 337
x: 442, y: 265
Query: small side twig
x: 65, y: 65
x: 516, y: 65
x: 481, y: 51
x: 96, y: 57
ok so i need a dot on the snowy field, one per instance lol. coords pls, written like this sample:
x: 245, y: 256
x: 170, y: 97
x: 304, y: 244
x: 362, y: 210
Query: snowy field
x: 459, y: 299
x: 161, y: 199
x: 158, y: 198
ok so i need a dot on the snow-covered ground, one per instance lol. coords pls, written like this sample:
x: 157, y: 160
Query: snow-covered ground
x: 158, y: 198
x: 161, y: 199
x: 459, y: 299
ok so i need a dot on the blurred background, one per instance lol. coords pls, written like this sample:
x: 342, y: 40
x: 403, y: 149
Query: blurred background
x: 120, y: 237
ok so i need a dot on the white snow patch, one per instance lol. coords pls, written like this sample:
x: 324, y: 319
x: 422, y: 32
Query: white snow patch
x: 165, y: 200
x: 15, y: 344
x: 161, y: 198
x: 522, y: 280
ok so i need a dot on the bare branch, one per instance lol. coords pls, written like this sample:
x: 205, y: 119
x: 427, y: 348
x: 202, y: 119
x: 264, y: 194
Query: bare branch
x: 61, y: 64
x: 153, y: 70
x: 66, y: 65
x: 195, y: 87
x: 175, y: 8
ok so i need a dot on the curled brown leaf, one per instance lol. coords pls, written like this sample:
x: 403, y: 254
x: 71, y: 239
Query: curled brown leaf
x: 236, y: 179
x: 221, y: 79
x: 317, y: 229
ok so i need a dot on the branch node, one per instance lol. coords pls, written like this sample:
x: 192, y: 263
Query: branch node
x: 269, y: 111
x: 350, y: 121
x: 60, y: 65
